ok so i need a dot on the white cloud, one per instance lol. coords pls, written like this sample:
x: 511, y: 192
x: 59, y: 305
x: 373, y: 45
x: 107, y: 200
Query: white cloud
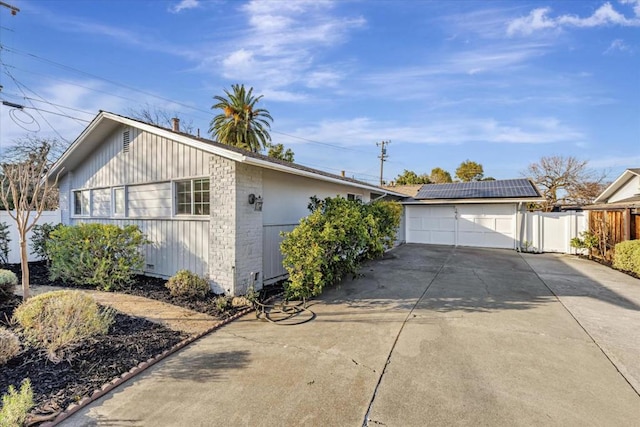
x: 539, y: 19
x: 617, y: 45
x: 184, y: 5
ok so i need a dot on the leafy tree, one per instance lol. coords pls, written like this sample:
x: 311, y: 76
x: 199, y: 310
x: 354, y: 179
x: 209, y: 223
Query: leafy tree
x: 440, y: 176
x: 159, y: 117
x: 469, y: 171
x: 277, y: 151
x: 24, y: 179
x: 241, y: 124
x: 410, y: 177
x: 564, y: 180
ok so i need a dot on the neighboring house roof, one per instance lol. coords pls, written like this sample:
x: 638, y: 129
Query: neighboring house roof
x: 409, y: 190
x: 105, y: 123
x: 631, y: 202
x: 499, y: 191
x: 617, y: 185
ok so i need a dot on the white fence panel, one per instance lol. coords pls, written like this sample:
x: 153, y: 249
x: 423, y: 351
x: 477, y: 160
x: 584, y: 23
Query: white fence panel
x: 51, y: 217
x: 553, y: 231
x: 272, y: 268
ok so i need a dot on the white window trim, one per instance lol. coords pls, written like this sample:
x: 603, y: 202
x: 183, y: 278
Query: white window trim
x: 113, y: 201
x: 174, y: 195
x: 73, y: 198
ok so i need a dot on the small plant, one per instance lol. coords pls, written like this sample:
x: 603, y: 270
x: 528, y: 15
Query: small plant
x: 187, y: 284
x: 101, y: 255
x: 39, y: 238
x: 222, y: 303
x: 8, y: 282
x: 527, y: 246
x: 9, y: 345
x: 587, y: 240
x: 56, y: 321
x: 16, y: 405
x: 4, y: 243
x: 627, y: 256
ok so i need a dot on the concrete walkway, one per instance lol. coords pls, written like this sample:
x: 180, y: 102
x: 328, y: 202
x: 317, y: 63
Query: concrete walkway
x: 429, y: 336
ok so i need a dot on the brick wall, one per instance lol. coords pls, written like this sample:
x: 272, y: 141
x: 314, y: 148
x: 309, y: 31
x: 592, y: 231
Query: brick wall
x: 235, y: 254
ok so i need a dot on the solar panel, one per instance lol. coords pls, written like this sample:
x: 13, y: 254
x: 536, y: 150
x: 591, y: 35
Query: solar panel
x: 506, y: 188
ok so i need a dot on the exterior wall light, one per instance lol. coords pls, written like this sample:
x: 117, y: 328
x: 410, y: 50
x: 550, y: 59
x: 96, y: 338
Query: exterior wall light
x: 258, y: 203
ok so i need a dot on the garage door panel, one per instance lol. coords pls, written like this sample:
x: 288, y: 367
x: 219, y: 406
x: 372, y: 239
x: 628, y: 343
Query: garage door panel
x: 431, y: 225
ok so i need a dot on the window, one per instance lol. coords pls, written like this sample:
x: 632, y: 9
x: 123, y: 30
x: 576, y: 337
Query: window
x: 192, y: 197
x: 119, y: 200
x: 81, y: 202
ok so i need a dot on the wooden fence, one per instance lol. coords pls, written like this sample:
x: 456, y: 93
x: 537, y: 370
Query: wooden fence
x: 612, y: 227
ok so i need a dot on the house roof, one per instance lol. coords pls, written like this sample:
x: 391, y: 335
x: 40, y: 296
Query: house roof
x: 409, y: 190
x: 631, y: 202
x: 499, y: 191
x: 105, y: 122
x: 616, y: 185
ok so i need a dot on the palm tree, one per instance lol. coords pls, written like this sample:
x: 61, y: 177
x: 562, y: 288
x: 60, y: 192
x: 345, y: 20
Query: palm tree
x: 241, y: 124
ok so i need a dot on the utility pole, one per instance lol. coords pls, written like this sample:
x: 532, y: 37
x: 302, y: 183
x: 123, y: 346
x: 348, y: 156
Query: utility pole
x: 14, y: 10
x: 383, y: 156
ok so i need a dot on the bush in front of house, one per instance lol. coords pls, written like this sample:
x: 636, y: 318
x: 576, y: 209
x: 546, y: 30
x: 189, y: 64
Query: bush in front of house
x: 102, y: 255
x: 332, y: 241
x: 627, y: 256
x: 9, y: 345
x: 56, y: 321
x: 187, y: 284
x: 8, y: 282
x: 16, y: 405
x: 40, y: 235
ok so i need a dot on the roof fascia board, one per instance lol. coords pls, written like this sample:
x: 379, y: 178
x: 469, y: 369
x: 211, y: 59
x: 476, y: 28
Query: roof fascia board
x: 470, y: 201
x: 615, y: 186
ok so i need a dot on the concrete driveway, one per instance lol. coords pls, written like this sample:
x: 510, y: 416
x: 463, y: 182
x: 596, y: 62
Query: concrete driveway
x: 430, y: 335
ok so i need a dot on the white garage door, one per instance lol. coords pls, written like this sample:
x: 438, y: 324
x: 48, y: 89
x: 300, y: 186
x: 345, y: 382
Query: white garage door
x: 431, y: 224
x: 478, y: 225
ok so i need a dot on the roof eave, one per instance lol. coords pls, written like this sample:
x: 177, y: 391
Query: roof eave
x: 471, y: 201
x: 614, y: 186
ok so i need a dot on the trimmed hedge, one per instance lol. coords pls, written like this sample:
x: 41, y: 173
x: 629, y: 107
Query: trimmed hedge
x: 627, y: 256
x: 101, y: 255
x: 333, y: 241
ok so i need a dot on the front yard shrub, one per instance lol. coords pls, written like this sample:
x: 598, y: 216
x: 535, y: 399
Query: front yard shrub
x: 4, y: 243
x: 187, y: 284
x: 16, y: 405
x: 56, y: 321
x: 101, y: 255
x: 627, y: 256
x: 9, y: 345
x: 332, y: 241
x: 587, y: 240
x: 40, y: 235
x: 8, y: 282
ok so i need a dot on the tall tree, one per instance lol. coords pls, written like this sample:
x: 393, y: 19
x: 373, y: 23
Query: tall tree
x: 469, y: 171
x: 25, y: 182
x: 410, y: 177
x: 277, y: 151
x: 440, y: 176
x: 564, y: 180
x: 241, y: 124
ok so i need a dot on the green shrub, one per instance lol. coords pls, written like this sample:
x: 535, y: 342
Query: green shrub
x: 16, y: 405
x: 187, y: 284
x: 627, y: 256
x: 223, y: 303
x: 101, y: 255
x: 332, y: 241
x: 39, y: 237
x: 8, y: 282
x: 4, y: 243
x: 9, y: 345
x: 56, y: 321
x: 587, y: 240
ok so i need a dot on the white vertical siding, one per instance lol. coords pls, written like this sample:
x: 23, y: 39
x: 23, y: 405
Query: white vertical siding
x: 271, y: 255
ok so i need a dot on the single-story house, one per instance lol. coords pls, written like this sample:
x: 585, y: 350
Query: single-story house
x: 210, y: 208
x: 615, y: 213
x: 481, y: 213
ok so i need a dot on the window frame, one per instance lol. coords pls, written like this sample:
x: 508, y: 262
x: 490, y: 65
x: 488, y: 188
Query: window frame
x: 191, y: 193
x: 83, y: 212
x: 114, y: 211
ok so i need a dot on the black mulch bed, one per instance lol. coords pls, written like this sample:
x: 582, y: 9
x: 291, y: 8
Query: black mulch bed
x: 148, y: 287
x: 130, y: 341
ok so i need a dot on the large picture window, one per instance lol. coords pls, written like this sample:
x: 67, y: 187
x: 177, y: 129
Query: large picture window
x: 192, y: 197
x: 81, y: 202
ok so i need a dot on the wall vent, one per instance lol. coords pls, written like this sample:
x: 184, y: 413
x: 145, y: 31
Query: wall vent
x: 126, y: 139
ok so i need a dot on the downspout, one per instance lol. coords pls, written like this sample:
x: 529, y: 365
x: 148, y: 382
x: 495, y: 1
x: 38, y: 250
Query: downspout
x: 522, y: 224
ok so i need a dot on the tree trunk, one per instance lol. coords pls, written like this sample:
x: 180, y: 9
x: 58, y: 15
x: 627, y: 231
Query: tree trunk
x: 24, y: 264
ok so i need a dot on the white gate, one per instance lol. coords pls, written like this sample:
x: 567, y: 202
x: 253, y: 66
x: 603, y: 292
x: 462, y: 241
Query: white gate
x: 553, y: 231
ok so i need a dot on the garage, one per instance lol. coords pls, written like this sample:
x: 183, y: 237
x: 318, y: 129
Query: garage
x: 482, y: 214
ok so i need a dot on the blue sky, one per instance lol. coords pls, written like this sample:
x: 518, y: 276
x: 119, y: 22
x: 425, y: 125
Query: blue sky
x: 500, y: 83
